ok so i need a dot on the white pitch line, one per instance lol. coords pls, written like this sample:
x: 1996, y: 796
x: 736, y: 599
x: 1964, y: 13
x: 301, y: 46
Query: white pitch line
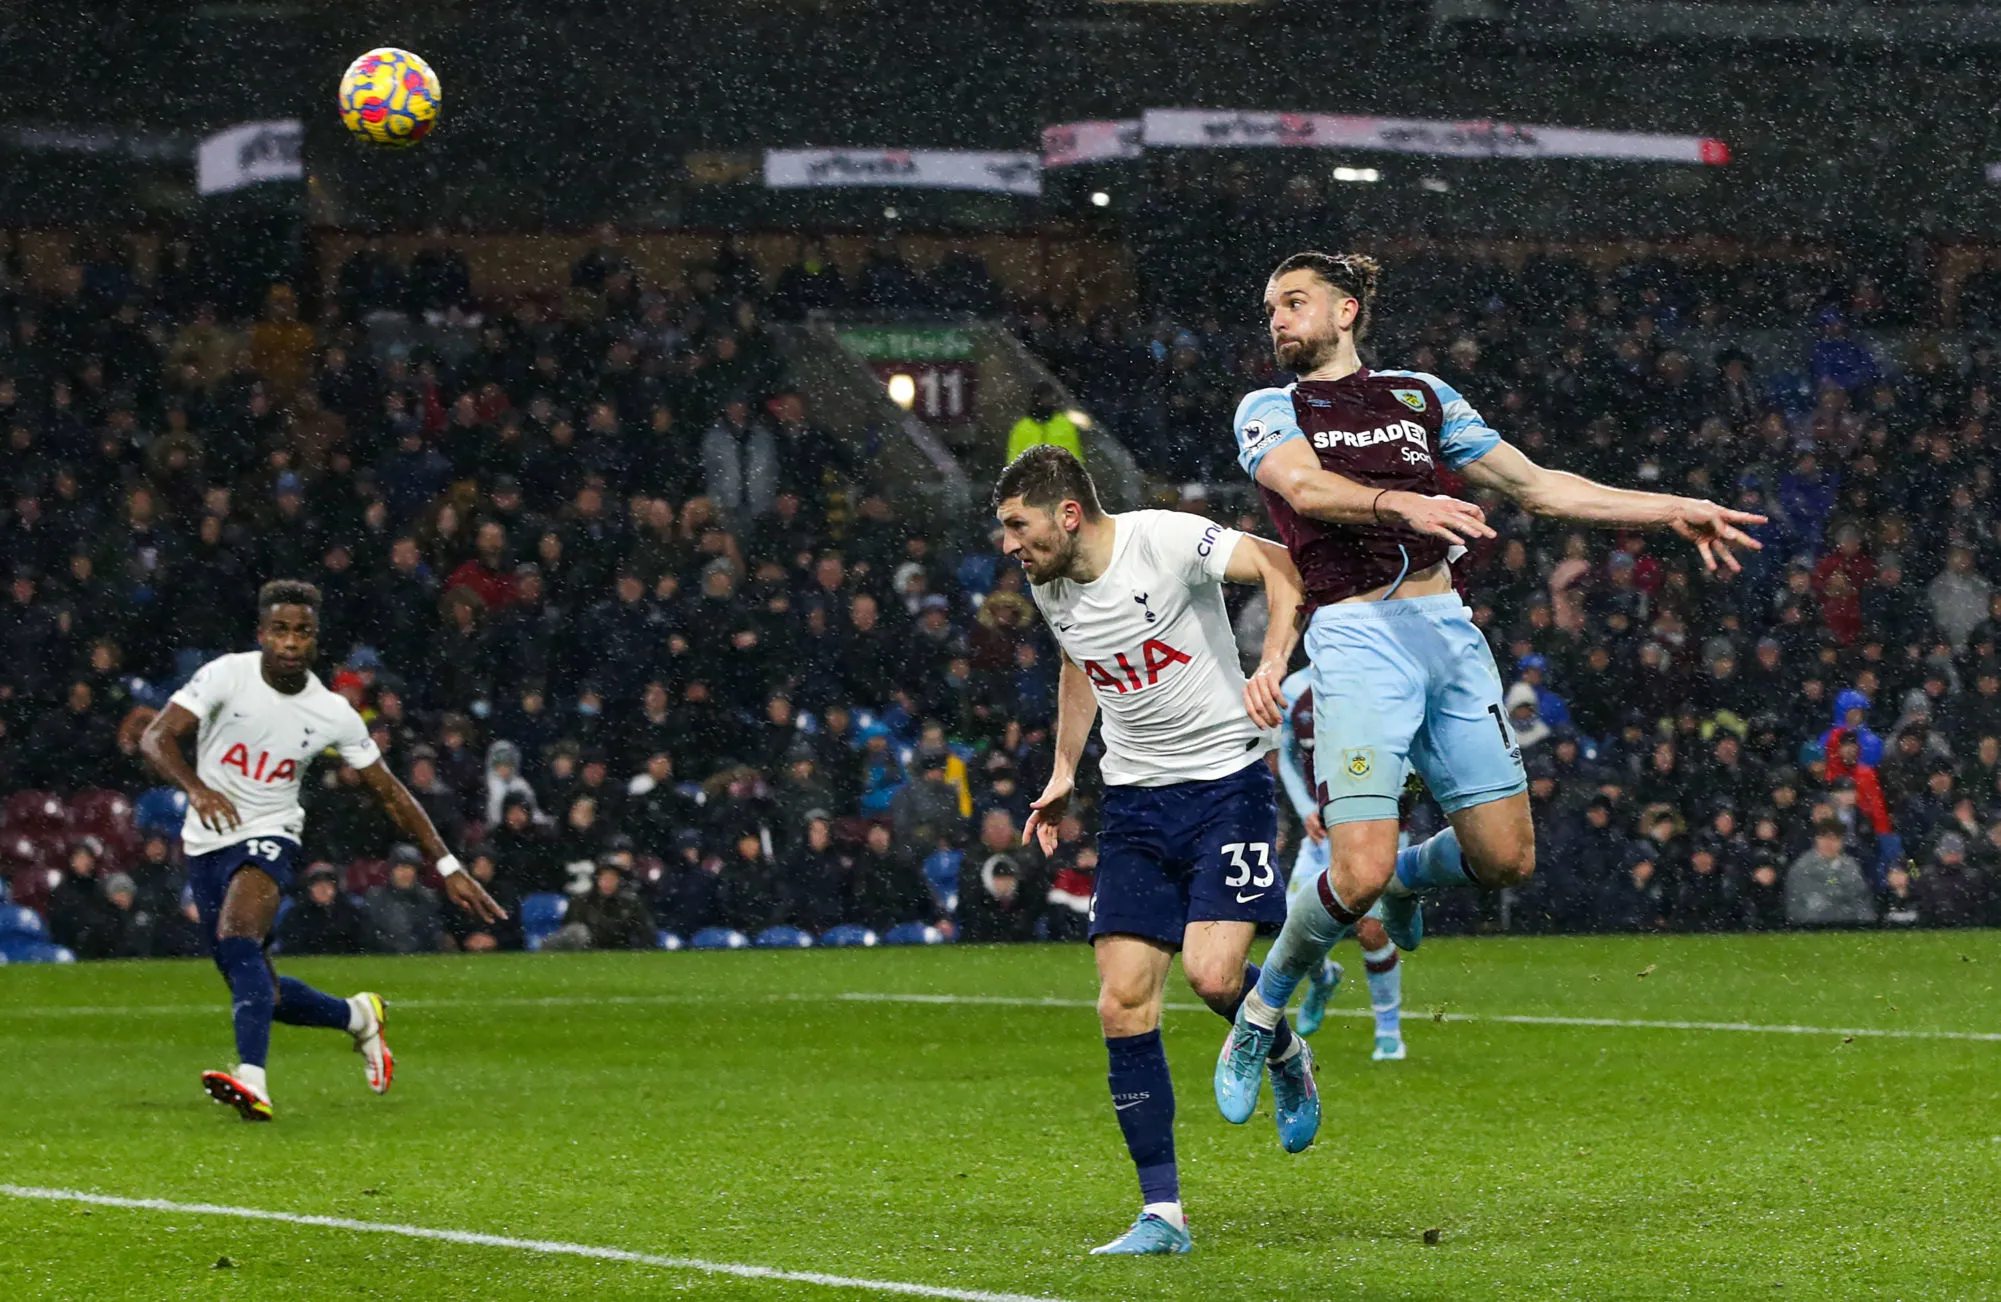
x: 1514, y: 1019
x: 546, y: 1246
x: 473, y: 1003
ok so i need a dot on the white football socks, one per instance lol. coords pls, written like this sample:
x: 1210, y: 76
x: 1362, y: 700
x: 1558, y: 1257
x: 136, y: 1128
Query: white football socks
x: 1169, y: 1212
x: 254, y: 1078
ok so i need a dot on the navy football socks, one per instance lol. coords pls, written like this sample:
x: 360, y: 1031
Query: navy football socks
x: 251, y: 995
x: 1143, y: 1096
x: 301, y: 1005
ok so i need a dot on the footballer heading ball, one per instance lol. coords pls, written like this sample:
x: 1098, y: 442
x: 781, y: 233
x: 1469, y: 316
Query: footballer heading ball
x: 390, y: 97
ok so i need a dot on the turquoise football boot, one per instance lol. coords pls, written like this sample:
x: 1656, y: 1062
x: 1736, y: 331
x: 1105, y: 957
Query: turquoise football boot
x: 1150, y: 1236
x: 1240, y: 1069
x: 1403, y: 918
x: 1319, y: 990
x: 1296, y: 1099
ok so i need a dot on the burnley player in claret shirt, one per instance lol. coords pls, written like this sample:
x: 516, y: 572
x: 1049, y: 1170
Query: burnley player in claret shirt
x: 1348, y: 459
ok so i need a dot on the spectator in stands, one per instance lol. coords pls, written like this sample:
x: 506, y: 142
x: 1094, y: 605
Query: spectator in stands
x: 404, y: 911
x: 816, y: 876
x: 78, y: 913
x: 1044, y: 423
x: 751, y: 895
x: 740, y: 466
x: 1958, y: 597
x: 1001, y: 896
x: 323, y: 919
x: 611, y: 915
x: 886, y: 886
x: 812, y: 283
x: 1825, y: 886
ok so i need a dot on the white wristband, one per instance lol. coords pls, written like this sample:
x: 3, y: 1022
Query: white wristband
x: 448, y: 865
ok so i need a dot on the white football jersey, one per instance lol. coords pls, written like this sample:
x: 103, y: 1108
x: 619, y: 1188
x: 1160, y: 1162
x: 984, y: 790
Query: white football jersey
x: 1152, y: 635
x: 255, y: 744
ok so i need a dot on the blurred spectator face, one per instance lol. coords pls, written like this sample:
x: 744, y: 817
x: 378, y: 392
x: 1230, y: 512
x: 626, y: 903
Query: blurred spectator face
x: 583, y: 814
x: 862, y: 613
x: 997, y: 831
x: 492, y: 542
x: 660, y: 767
x: 483, y: 867
x: 609, y: 880
x: 1827, y: 844
x: 79, y: 697
x: 819, y: 836
x: 878, y: 838
x: 403, y: 875
x: 749, y: 847
x: 424, y: 773
x: 1005, y: 882
x: 321, y: 891
x: 516, y: 816
x: 1597, y: 814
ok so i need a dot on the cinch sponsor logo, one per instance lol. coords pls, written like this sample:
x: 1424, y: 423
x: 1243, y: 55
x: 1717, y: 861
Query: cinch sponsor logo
x: 1398, y: 431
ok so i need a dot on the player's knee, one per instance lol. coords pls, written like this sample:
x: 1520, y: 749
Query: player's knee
x: 1508, y: 864
x: 1215, y: 984
x: 1124, y: 1012
x: 1369, y: 934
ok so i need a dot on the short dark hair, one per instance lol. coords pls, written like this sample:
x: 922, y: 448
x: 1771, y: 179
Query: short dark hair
x: 1354, y: 274
x: 288, y: 592
x: 1045, y: 477
x: 1830, y: 827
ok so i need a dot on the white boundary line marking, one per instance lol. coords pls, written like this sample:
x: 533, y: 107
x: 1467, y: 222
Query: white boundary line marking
x: 546, y: 1246
x: 473, y: 1003
x: 1513, y: 1019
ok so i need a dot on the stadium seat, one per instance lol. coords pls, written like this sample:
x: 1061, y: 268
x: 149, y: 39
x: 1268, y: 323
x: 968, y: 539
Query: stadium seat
x: 18, y: 921
x: 160, y: 810
x: 541, y: 913
x: 32, y: 811
x: 941, y: 873
x: 106, y: 815
x: 364, y: 873
x: 29, y: 886
x: 33, y: 949
x: 719, y: 938
x: 913, y: 933
x: 783, y: 938
x: 668, y: 940
x: 846, y: 935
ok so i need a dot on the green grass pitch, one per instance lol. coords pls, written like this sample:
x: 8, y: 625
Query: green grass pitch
x: 747, y: 1109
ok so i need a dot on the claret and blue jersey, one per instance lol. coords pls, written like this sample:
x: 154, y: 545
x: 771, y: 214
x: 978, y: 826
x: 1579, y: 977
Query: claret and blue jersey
x: 1400, y: 683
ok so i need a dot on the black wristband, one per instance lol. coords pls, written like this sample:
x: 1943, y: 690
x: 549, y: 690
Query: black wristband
x: 1376, y: 507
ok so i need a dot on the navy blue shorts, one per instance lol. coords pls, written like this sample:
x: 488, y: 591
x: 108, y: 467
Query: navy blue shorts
x: 209, y: 874
x: 1188, y: 852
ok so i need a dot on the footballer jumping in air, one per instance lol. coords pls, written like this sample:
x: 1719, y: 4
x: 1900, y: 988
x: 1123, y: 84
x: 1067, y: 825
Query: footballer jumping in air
x: 1379, y: 956
x: 260, y: 718
x: 1347, y: 459
x: 1189, y: 817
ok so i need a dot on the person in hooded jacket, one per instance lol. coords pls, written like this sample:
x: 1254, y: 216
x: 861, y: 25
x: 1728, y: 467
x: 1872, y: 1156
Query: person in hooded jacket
x: 1851, y: 714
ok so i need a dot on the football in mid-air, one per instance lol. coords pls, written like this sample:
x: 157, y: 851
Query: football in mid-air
x: 390, y: 97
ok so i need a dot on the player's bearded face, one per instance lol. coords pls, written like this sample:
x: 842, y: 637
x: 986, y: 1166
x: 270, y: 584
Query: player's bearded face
x: 1039, y: 541
x: 1305, y: 315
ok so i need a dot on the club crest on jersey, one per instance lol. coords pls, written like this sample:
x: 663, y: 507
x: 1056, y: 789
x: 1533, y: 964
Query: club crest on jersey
x: 1411, y: 398
x: 1359, y: 762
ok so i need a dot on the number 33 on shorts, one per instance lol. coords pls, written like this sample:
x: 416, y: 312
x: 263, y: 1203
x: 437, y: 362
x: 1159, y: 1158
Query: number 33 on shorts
x: 1241, y: 872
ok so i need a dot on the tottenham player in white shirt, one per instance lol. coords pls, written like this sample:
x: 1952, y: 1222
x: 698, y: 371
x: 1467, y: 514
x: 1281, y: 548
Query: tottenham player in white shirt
x: 260, y: 718
x: 1189, y: 815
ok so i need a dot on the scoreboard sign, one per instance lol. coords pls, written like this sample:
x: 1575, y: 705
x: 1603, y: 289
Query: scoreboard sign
x: 936, y: 361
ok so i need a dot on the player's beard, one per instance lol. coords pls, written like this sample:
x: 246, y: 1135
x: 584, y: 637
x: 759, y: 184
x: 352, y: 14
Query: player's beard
x: 1310, y: 354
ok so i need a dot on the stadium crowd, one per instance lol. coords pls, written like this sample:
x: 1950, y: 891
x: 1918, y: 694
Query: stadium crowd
x: 633, y: 629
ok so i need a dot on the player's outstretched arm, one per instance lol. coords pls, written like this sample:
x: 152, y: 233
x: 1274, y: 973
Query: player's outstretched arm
x: 1713, y: 529
x: 161, y: 745
x: 1258, y: 560
x: 1294, y: 473
x: 403, y: 808
x: 1076, y: 711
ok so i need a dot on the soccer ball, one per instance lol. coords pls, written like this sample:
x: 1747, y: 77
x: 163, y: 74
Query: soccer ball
x: 390, y: 97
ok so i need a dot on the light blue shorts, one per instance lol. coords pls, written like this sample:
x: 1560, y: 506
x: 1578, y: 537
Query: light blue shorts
x: 1401, y: 685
